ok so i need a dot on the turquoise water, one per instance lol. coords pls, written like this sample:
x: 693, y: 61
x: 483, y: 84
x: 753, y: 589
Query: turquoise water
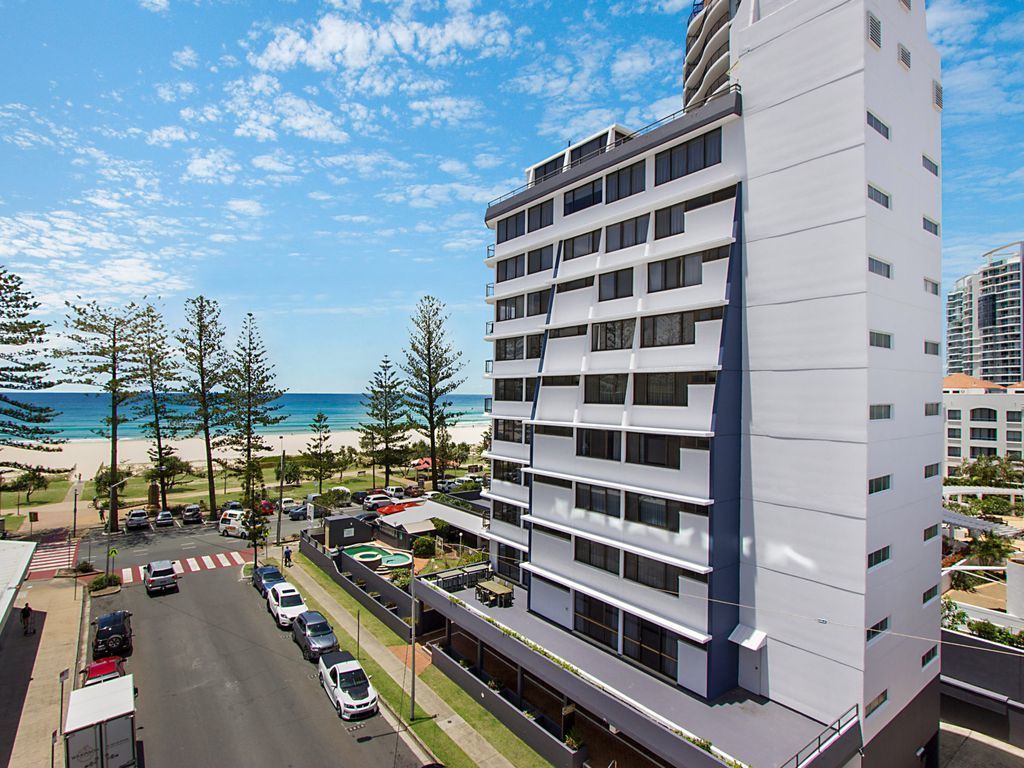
x: 81, y: 414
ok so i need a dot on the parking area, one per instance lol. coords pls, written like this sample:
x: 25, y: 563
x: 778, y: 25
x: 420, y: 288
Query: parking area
x: 220, y: 684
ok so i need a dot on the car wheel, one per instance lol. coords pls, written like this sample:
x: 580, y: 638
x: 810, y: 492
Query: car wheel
x: 305, y: 654
x: 337, y: 706
x: 114, y: 642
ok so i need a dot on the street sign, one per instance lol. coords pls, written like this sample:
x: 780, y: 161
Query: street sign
x: 64, y: 674
x: 112, y: 552
x: 33, y: 517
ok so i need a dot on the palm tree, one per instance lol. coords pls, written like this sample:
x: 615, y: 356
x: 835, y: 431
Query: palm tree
x: 991, y: 549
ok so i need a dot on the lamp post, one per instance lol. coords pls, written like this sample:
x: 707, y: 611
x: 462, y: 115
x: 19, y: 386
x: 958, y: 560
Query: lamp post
x: 280, y: 493
x: 113, y: 495
x: 74, y: 516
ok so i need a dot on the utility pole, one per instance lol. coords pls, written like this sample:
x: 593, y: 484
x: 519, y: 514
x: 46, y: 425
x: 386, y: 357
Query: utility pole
x: 74, y: 518
x: 412, y: 632
x: 280, y: 495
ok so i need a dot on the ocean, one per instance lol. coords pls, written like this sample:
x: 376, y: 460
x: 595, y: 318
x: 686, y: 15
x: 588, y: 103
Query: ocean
x: 82, y: 413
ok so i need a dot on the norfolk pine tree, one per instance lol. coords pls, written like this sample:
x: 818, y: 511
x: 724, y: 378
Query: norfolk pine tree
x: 432, y: 367
x: 387, y: 419
x: 158, y: 375
x: 320, y: 459
x: 202, y: 347
x: 101, y: 353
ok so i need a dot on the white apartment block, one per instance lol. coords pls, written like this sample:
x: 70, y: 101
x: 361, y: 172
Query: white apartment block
x: 716, y: 391
x: 983, y: 319
x: 982, y: 419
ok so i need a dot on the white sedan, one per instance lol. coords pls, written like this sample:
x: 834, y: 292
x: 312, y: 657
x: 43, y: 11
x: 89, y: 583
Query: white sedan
x: 284, y: 603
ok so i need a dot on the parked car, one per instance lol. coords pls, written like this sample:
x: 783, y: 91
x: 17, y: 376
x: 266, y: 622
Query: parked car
x: 378, y: 500
x: 159, y: 576
x: 231, y: 524
x: 287, y: 504
x: 395, y: 491
x: 285, y: 603
x: 312, y: 497
x: 446, y: 486
x: 347, y: 685
x: 413, y: 492
x: 233, y: 506
x: 299, y: 513
x: 164, y: 518
x: 102, y: 670
x: 431, y: 494
x: 370, y: 518
x: 314, y: 635
x: 136, y: 519
x: 266, y: 576
x: 359, y: 496
x: 113, y: 635
x: 267, y: 507
x: 192, y: 514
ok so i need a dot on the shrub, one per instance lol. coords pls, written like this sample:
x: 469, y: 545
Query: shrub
x: 83, y: 566
x: 423, y: 547
x: 441, y: 526
x: 572, y: 739
x: 104, y: 581
x: 401, y: 578
x: 468, y: 487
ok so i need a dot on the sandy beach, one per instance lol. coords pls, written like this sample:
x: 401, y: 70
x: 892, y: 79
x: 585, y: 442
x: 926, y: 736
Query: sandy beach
x: 85, y: 456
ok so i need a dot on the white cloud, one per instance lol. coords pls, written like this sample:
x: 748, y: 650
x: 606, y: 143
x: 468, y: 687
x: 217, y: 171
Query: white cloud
x: 646, y: 56
x: 348, y: 218
x: 186, y: 58
x: 321, y: 197
x: 445, y: 110
x: 953, y: 24
x: 309, y: 120
x: 486, y: 160
x: 275, y: 163
x: 171, y: 92
x: 433, y: 195
x: 157, y: 6
x: 207, y: 114
x: 375, y: 164
x: 214, y: 166
x: 454, y: 167
x: 262, y: 110
x: 168, y: 135
x: 246, y: 207
x: 223, y: 238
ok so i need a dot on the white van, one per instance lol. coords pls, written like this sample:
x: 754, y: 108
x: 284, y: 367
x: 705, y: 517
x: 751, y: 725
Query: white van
x: 231, y: 524
x: 395, y: 491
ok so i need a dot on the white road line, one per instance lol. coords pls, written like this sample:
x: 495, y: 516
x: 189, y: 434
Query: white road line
x: 208, y: 561
x: 223, y: 559
x: 188, y: 546
x: 178, y: 567
x: 237, y: 558
x: 127, y: 577
x: 192, y: 563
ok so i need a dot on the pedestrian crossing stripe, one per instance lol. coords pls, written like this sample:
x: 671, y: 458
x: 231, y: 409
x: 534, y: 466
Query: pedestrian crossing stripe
x: 192, y: 564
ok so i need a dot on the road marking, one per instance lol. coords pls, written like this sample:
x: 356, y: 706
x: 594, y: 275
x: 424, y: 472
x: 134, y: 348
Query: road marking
x: 127, y: 576
x: 208, y: 561
x: 223, y: 559
x: 188, y: 546
x: 192, y: 563
x: 178, y: 567
x: 237, y: 558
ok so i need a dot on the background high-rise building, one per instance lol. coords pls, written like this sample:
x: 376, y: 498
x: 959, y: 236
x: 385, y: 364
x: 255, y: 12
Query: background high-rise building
x: 984, y: 319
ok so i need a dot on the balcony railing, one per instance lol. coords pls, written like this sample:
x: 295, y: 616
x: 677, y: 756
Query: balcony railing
x: 488, y: 328
x: 490, y: 250
x: 488, y: 366
x: 832, y: 731
x: 489, y: 290
x: 488, y: 404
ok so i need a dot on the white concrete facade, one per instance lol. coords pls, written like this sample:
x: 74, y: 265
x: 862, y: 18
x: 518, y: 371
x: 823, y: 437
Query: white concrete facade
x: 982, y: 421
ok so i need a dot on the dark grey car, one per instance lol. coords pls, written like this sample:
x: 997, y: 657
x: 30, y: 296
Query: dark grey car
x: 313, y: 634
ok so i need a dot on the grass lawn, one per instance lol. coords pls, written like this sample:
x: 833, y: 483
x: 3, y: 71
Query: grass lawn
x: 13, y: 522
x: 55, y: 492
x: 486, y: 724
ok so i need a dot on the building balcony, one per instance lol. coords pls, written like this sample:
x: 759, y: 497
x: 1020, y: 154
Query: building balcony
x: 490, y: 251
x: 488, y: 366
x: 489, y: 328
x: 488, y: 290
x: 488, y: 404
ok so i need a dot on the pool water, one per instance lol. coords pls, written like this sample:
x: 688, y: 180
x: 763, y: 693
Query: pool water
x: 367, y: 553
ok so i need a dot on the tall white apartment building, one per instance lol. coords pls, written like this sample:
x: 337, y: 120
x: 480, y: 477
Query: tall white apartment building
x: 984, y: 317
x: 716, y: 385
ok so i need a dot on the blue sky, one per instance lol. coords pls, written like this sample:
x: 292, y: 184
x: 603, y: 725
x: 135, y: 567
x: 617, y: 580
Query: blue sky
x: 325, y: 164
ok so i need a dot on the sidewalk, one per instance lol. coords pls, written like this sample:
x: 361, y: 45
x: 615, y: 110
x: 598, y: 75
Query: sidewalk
x: 476, y: 747
x: 30, y: 706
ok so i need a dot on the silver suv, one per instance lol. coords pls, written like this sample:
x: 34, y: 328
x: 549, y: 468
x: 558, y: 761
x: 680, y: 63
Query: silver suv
x: 314, y: 635
x: 159, y: 576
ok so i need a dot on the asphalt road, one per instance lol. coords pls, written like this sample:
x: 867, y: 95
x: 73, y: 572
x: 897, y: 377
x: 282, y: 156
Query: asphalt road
x: 220, y: 685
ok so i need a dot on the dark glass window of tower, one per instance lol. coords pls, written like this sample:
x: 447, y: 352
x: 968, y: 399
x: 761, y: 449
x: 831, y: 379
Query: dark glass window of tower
x: 987, y: 310
x: 539, y: 259
x: 582, y: 197
x: 595, y: 145
x: 625, y: 182
x: 689, y: 157
x: 512, y: 226
x: 541, y: 215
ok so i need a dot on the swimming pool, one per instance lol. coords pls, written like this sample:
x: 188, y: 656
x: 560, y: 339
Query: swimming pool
x: 370, y: 556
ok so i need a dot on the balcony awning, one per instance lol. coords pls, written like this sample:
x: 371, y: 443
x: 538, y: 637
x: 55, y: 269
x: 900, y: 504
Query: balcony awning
x: 748, y: 637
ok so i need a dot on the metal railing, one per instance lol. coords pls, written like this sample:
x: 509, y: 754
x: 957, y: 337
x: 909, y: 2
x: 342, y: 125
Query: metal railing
x: 692, y: 65
x: 734, y: 88
x: 488, y: 328
x: 489, y: 290
x: 712, y: 60
x: 490, y: 250
x: 699, y: 6
x: 831, y: 732
x: 488, y: 366
x: 713, y: 92
x: 488, y: 404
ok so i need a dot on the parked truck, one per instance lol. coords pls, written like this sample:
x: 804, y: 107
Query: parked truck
x: 99, y: 731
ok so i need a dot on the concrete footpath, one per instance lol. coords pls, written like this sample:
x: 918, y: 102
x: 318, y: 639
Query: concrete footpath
x: 462, y: 733
x: 29, y: 677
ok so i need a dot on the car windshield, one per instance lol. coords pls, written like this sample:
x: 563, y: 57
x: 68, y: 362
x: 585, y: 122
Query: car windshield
x: 272, y: 575
x: 163, y: 571
x: 107, y: 626
x: 319, y: 629
x: 356, y: 678
x: 291, y: 601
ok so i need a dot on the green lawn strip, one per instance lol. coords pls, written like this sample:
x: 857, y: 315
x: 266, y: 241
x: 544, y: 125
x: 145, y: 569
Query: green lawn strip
x: 13, y: 522
x: 53, y: 493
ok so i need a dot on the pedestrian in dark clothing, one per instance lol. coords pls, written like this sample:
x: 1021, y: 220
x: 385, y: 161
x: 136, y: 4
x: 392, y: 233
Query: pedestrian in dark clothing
x: 287, y: 557
x: 26, y: 619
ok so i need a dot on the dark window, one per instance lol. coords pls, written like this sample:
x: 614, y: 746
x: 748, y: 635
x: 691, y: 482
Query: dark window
x: 659, y: 513
x: 509, y: 349
x: 552, y: 532
x: 983, y: 414
x: 594, y: 498
x: 711, y: 198
x: 540, y: 259
x: 512, y: 226
x: 983, y: 433
x: 599, y: 444
x: 953, y: 451
x: 932, y: 409
x: 617, y: 334
x: 954, y: 415
x: 574, y: 285
x: 598, y: 555
x: 531, y: 388
x: 507, y: 471
x: 506, y: 513
x: 555, y: 481
x: 930, y: 226
x: 560, y: 381
x: 508, y: 389
x: 656, y: 574
x: 650, y: 646
x: 533, y: 345
x: 878, y: 125
x: 677, y: 272
x: 608, y: 388
x: 508, y: 309
x: 509, y: 430
x: 597, y: 620
x: 582, y: 197
x: 537, y: 302
x: 584, y: 151
x: 625, y: 182
x: 567, y: 331
x: 675, y: 328
x: 541, y: 215
x: 509, y: 269
x: 550, y: 168
x: 509, y: 559
x: 653, y: 450
x: 626, y: 233
x: 930, y: 532
x: 670, y: 221
x: 548, y: 429
x: 878, y: 196
x: 1011, y: 416
x: 930, y: 165
x: 615, y: 285
x: 581, y: 245
x: 688, y: 157
x: 977, y: 451
x: 664, y: 388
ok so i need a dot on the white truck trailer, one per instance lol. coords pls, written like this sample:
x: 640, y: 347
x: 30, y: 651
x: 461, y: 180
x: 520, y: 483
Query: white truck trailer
x: 99, y: 731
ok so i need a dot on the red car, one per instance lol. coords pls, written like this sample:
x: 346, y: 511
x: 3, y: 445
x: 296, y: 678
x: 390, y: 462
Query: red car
x: 101, y: 670
x: 267, y: 507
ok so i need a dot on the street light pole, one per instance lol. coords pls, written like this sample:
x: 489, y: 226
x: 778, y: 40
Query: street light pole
x: 412, y: 633
x: 113, y: 495
x: 280, y: 494
x: 74, y: 518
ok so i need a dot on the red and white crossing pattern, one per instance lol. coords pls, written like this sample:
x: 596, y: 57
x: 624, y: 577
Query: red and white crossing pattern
x: 50, y: 557
x: 192, y: 564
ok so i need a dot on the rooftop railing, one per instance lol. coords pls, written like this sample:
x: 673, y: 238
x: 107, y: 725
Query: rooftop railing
x: 822, y: 740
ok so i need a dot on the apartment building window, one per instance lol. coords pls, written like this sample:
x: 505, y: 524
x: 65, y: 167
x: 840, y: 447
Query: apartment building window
x: 597, y: 620
x: 1015, y: 455
x: 879, y: 484
x: 878, y: 557
x: 626, y: 233
x: 903, y: 55
x: 984, y: 414
x: 653, y: 450
x: 533, y: 345
x: 934, y: 409
x: 581, y: 245
x: 931, y: 286
x: 931, y: 348
x: 550, y: 168
x: 954, y: 415
x: 670, y: 221
x: 616, y: 334
x: 675, y: 328
x: 879, y: 412
x: 930, y: 655
x: 512, y: 226
x: 560, y: 381
x: 567, y: 332
x: 537, y: 302
x: 652, y: 573
x: 540, y: 259
x: 593, y: 147
x: 615, y: 285
x: 541, y: 215
x: 557, y: 482
x: 575, y: 285
x: 872, y: 706
x: 931, y: 532
x: 594, y: 498
x: 930, y: 165
x: 953, y: 432
x: 554, y: 431
x: 508, y: 430
x: 875, y: 30
x: 597, y: 555
x: 879, y: 267
x: 931, y: 470
x: 507, y: 471
x: 552, y: 533
x: 655, y: 512
x: 1013, y: 437
x: 651, y: 646
x: 606, y: 388
x: 689, y: 157
x: 930, y: 594
x: 977, y: 451
x: 718, y: 196
x: 877, y: 628
x: 530, y: 388
x: 506, y: 513
x: 625, y: 182
x: 984, y: 433
x: 953, y: 451
x: 508, y: 389
x: 509, y: 269
x: 906, y: 4
x: 880, y: 339
x: 930, y: 226
x: 880, y: 197
x: 878, y: 125
x: 661, y: 388
x: 599, y: 444
x: 582, y: 197
x: 509, y: 559
x: 937, y: 94
x: 509, y: 349
x: 1013, y: 417
x: 508, y: 309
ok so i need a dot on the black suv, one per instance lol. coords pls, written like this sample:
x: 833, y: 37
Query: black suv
x: 113, y: 635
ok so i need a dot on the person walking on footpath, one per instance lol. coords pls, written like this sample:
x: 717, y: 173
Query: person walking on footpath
x: 287, y: 557
x: 26, y: 620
